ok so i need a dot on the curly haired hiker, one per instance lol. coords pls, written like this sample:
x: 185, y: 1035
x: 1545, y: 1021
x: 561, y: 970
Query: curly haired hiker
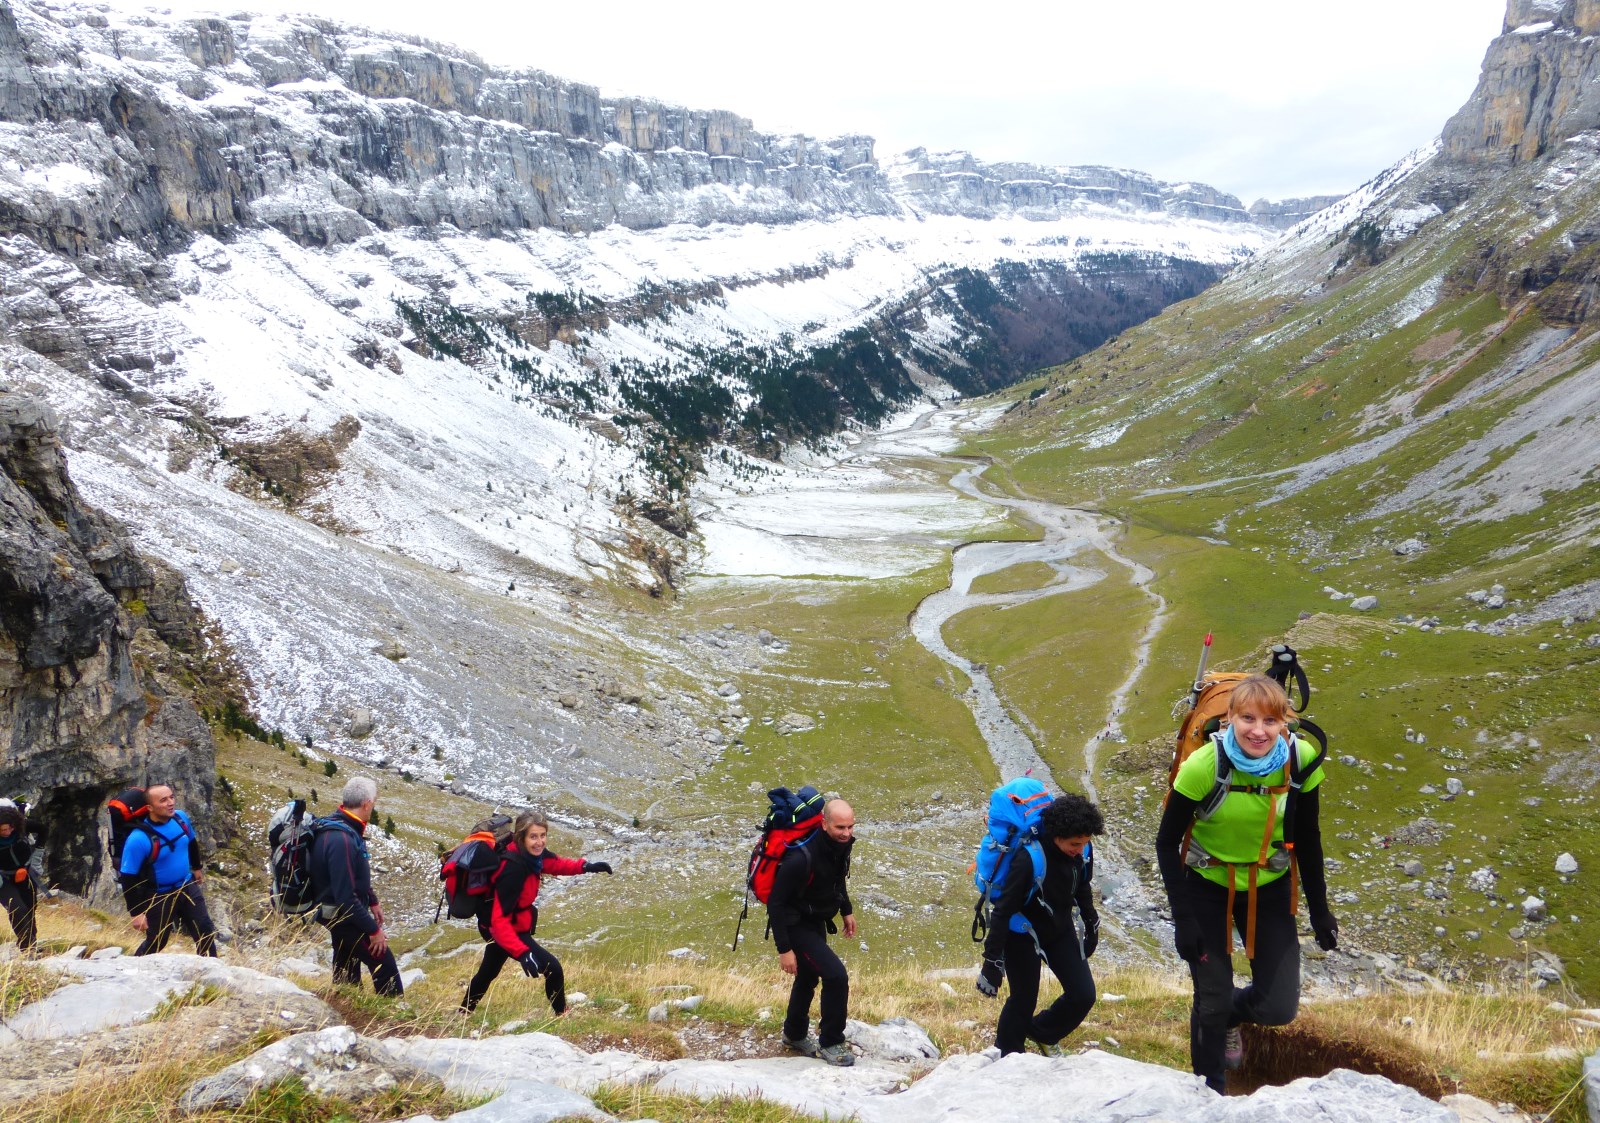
x: 808, y: 891
x: 1065, y: 828
x: 19, y: 862
x: 1234, y: 868
x: 161, y: 875
x: 509, y: 918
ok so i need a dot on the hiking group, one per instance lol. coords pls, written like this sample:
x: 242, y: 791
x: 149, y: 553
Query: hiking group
x: 1239, y: 840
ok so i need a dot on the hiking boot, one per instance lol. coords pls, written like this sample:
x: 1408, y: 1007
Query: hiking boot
x: 806, y: 1046
x: 1233, y: 1049
x: 838, y: 1055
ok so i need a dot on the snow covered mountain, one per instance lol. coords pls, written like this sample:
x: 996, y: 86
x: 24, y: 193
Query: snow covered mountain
x: 370, y: 338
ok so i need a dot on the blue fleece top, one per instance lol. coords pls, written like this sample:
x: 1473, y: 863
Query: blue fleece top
x: 172, y: 859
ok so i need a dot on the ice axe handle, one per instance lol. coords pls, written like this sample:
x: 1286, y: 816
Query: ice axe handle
x: 1200, y: 671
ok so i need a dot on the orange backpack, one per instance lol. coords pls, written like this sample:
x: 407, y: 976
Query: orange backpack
x: 1208, y: 709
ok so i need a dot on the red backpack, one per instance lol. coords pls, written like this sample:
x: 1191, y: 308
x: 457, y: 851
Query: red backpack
x: 791, y: 820
x: 469, y: 871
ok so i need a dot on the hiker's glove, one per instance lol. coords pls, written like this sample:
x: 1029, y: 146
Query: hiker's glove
x: 597, y: 867
x: 20, y: 876
x: 530, y: 965
x: 1186, y: 938
x: 990, y: 976
x: 1325, y: 926
x: 1091, y: 934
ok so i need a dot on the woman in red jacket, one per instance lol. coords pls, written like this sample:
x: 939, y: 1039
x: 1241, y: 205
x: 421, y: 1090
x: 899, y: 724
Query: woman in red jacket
x: 508, y: 920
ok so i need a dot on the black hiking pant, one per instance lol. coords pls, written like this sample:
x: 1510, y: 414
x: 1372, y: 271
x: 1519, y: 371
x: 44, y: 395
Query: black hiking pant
x: 21, y: 901
x: 350, y: 951
x: 1017, y: 1019
x: 496, y: 957
x: 183, y: 910
x: 1273, y: 996
x: 816, y: 962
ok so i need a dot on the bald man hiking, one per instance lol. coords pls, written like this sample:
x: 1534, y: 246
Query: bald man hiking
x: 807, y: 893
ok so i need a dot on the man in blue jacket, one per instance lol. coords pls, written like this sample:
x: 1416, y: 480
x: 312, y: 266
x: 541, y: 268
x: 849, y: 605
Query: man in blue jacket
x: 341, y: 876
x: 161, y: 874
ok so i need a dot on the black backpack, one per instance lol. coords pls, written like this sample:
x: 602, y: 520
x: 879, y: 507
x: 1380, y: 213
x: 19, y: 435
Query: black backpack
x: 289, y: 837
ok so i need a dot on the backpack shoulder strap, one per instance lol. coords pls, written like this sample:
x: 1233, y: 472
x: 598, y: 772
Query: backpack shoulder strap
x: 1219, y: 785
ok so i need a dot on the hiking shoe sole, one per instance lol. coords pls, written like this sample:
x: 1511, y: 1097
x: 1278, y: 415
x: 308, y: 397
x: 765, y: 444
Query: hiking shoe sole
x: 838, y: 1055
x: 806, y: 1046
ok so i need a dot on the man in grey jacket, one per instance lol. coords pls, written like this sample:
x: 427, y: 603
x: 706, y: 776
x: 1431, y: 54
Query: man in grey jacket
x: 341, y: 875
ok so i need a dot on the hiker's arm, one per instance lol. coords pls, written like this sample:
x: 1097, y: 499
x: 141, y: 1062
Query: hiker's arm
x: 562, y: 867
x: 1175, y: 823
x: 787, y: 884
x: 1013, y: 895
x: 502, y: 913
x: 342, y: 882
x: 1313, y: 877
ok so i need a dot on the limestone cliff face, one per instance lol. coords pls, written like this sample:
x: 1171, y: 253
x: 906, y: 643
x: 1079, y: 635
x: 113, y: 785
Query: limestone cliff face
x: 1540, y: 85
x: 155, y: 130
x: 87, y: 704
x: 1284, y: 213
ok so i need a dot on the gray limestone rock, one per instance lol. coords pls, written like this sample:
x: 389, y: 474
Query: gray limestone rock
x: 1364, y: 604
x: 1566, y: 863
x: 362, y: 723
x: 335, y: 1061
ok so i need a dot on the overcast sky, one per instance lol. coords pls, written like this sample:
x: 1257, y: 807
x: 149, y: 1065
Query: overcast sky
x: 1270, y: 98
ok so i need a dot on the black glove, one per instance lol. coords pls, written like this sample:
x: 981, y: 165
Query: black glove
x: 1325, y: 926
x: 530, y: 964
x: 596, y: 867
x: 1091, y: 934
x: 990, y: 976
x: 1186, y: 938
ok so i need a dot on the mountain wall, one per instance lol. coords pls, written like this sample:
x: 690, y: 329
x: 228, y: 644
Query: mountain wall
x: 93, y: 639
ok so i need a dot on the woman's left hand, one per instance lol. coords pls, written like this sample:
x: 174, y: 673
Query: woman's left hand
x: 1325, y: 926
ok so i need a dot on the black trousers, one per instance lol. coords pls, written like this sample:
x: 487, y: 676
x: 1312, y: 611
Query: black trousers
x: 350, y: 951
x: 816, y: 962
x: 21, y: 902
x: 496, y: 957
x: 183, y: 910
x: 1273, y: 996
x: 1061, y: 1017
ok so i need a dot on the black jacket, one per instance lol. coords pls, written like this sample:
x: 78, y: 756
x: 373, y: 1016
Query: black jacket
x: 341, y: 873
x: 16, y: 853
x: 809, y: 887
x: 1066, y: 885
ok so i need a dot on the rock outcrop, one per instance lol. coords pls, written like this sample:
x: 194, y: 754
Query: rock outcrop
x: 1284, y: 213
x: 1540, y: 85
x: 89, y: 631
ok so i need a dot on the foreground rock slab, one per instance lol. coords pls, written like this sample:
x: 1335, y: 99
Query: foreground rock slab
x: 335, y: 1062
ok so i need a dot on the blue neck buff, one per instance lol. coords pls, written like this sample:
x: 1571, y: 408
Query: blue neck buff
x: 1255, y: 766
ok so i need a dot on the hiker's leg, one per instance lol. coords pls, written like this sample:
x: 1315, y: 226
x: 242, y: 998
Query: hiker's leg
x: 1273, y: 996
x: 797, y: 1020
x: 194, y: 920
x: 20, y: 900
x: 1066, y: 1013
x: 385, y: 970
x: 494, y: 958
x: 159, y: 921
x: 1022, y: 994
x: 348, y: 939
x: 555, y: 981
x: 835, y: 1005
x: 1213, y: 980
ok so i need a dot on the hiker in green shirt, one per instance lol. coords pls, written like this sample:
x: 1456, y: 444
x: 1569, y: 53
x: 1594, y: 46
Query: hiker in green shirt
x: 1236, y: 868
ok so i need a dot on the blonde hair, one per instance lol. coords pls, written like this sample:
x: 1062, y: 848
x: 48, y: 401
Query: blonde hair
x: 526, y: 821
x: 1260, y: 694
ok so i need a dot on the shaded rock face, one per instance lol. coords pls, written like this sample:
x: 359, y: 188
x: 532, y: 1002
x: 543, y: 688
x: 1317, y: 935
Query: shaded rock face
x: 89, y: 631
x: 1538, y: 86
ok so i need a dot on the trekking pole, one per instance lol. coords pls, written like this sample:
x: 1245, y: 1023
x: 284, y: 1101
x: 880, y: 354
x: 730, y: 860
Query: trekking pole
x: 438, y: 912
x: 743, y: 912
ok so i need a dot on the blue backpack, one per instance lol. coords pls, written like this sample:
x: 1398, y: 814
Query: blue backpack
x: 1014, y: 810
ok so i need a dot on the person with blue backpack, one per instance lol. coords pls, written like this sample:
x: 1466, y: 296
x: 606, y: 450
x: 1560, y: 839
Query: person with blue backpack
x: 1044, y: 872
x: 161, y: 874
